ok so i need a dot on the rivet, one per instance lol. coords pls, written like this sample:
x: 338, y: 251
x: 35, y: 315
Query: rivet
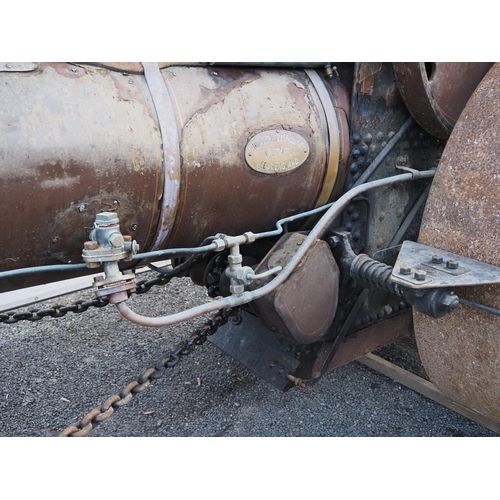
x: 380, y: 137
x: 73, y: 70
x: 9, y: 65
x: 356, y: 138
x: 368, y: 138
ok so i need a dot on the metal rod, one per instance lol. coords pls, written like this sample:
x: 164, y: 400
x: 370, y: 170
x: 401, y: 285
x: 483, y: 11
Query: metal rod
x: 246, y: 297
x: 409, y: 218
x: 382, y: 155
x: 487, y: 309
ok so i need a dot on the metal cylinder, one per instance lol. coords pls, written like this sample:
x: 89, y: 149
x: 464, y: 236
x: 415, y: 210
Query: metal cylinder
x: 178, y: 153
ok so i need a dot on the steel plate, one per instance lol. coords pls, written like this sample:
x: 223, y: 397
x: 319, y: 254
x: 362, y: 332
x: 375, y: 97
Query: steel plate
x: 461, y: 352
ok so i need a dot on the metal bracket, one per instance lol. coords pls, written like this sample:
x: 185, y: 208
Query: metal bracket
x: 421, y: 267
x: 17, y: 66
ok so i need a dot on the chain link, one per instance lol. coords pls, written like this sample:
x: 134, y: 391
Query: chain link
x: 104, y: 411
x: 79, y: 306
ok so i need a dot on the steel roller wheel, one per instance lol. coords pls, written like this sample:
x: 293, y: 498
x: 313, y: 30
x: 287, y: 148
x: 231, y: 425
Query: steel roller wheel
x: 461, y: 352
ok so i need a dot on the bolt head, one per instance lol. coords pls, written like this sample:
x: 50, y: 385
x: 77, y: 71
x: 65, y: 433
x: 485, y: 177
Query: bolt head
x: 420, y: 275
x: 116, y: 240
x: 106, y: 219
x: 452, y: 264
x: 437, y: 259
x: 405, y: 269
x: 450, y: 301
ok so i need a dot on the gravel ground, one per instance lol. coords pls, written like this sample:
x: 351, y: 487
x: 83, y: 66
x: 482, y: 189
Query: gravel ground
x: 54, y: 371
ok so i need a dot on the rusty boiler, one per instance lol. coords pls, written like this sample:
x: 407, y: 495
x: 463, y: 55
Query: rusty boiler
x: 178, y: 152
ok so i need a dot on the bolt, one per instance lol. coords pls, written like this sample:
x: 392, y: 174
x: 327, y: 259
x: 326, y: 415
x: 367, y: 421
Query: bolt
x: 334, y: 241
x: 55, y: 239
x: 452, y: 264
x: 106, y: 218
x: 82, y: 207
x: 133, y: 227
x: 405, y: 269
x: 420, y: 275
x: 116, y: 240
x: 450, y: 301
x: 73, y: 70
x: 368, y: 138
x: 9, y: 65
x: 91, y: 245
x: 437, y: 259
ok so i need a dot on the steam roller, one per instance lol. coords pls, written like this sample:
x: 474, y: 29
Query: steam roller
x: 334, y: 207
x: 461, y: 352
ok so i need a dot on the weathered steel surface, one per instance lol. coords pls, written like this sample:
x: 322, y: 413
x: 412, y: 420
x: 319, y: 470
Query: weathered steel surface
x: 220, y: 110
x: 461, y: 352
x: 303, y: 307
x: 436, y: 93
x: 74, y: 141
x: 77, y: 139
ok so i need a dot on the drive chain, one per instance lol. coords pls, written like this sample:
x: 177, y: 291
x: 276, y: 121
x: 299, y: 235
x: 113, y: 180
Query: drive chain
x: 103, y: 412
x: 78, y: 306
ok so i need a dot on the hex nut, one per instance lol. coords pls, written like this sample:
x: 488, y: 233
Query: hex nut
x: 405, y: 269
x: 450, y: 301
x: 452, y: 264
x: 437, y: 259
x: 420, y: 275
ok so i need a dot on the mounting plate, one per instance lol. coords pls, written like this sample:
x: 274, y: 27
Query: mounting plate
x: 440, y: 268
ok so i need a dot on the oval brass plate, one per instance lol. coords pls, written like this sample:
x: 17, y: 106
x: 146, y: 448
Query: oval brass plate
x: 276, y: 151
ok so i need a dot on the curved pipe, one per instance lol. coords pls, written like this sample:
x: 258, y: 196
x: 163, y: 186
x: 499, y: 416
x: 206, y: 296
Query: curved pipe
x: 246, y: 297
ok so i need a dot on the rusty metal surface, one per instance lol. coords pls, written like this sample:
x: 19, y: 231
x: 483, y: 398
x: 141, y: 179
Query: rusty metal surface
x: 167, y: 123
x: 78, y: 139
x: 220, y: 110
x: 371, y: 339
x: 436, y: 93
x: 74, y: 141
x: 461, y: 352
x: 332, y: 122
x: 303, y: 307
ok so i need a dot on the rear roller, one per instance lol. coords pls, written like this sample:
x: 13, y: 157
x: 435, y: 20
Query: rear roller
x: 461, y: 352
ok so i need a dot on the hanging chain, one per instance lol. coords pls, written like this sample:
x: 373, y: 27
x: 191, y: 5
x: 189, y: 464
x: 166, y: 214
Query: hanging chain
x: 104, y: 411
x: 79, y: 306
